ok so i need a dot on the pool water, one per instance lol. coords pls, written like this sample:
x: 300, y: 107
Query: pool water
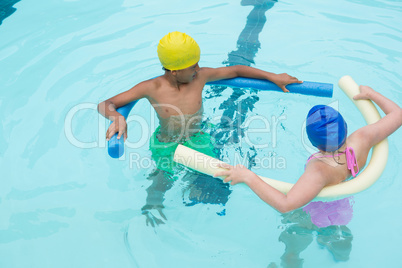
x: 65, y: 203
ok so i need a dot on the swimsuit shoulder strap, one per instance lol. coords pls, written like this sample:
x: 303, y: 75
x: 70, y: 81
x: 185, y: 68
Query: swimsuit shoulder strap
x: 313, y: 156
x: 351, y: 160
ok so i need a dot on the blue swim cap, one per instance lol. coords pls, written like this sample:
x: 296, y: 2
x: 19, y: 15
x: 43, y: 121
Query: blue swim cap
x: 326, y: 128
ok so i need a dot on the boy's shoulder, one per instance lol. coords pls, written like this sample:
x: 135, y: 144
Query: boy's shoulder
x: 204, y: 73
x: 146, y: 88
x: 153, y: 83
x: 156, y: 82
x: 206, y: 70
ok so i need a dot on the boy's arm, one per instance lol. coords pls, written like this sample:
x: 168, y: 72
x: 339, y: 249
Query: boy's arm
x: 374, y: 133
x: 281, y: 80
x: 108, y: 108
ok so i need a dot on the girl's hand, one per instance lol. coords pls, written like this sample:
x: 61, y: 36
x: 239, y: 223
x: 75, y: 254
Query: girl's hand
x: 365, y: 93
x: 235, y: 174
x: 118, y: 126
x: 282, y: 80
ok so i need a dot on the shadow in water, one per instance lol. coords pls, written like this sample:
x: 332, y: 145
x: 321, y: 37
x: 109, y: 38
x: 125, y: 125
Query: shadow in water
x: 248, y: 43
x: 7, y: 9
x: 236, y: 108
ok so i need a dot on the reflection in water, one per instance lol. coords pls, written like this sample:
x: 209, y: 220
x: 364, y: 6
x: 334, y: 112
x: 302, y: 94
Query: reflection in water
x: 248, y: 43
x: 299, y: 233
x: 200, y: 188
x: 236, y: 108
x: 7, y: 9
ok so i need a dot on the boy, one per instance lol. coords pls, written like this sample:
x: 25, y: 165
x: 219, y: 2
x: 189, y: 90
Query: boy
x: 181, y: 85
x: 177, y: 99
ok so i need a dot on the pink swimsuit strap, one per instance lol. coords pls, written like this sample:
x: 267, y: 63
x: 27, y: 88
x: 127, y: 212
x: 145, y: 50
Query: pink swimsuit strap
x: 351, y: 160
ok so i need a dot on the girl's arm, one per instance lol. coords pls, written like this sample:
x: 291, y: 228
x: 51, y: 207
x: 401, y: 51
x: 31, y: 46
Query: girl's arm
x: 374, y: 133
x: 306, y: 188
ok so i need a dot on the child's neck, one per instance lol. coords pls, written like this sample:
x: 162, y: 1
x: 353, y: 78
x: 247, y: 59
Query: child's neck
x: 172, y: 79
x: 340, y: 149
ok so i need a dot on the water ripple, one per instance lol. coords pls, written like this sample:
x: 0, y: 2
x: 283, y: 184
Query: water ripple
x: 186, y: 12
x: 17, y: 194
x: 35, y: 224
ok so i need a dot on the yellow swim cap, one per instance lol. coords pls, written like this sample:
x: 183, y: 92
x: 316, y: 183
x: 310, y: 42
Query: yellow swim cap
x: 177, y: 51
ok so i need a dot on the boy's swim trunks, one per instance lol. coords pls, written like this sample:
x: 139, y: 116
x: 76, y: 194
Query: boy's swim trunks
x: 162, y: 152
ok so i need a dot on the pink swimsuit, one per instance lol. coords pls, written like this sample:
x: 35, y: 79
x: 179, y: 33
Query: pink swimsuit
x: 339, y: 212
x: 351, y: 160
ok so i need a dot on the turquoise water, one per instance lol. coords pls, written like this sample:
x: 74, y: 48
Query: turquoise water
x: 65, y: 203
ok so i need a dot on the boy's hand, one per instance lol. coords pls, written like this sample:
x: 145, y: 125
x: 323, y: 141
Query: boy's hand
x: 282, y: 80
x: 365, y: 93
x: 235, y: 174
x: 118, y: 126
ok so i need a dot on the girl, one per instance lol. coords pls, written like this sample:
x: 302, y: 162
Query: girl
x: 327, y: 130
